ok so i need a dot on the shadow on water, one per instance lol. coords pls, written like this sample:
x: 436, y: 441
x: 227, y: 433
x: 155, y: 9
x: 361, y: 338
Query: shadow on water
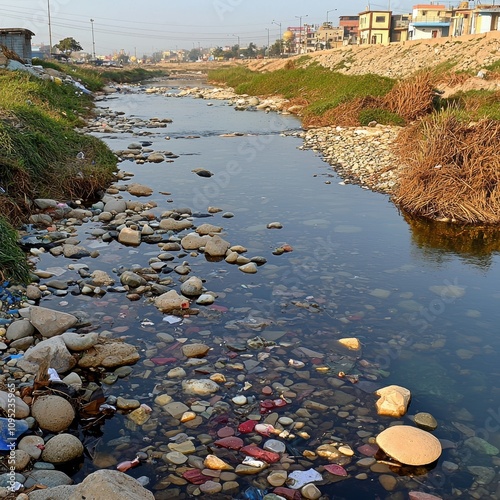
x: 441, y: 242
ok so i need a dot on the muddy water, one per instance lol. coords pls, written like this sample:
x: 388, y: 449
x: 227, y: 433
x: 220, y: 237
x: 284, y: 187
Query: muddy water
x: 426, y: 315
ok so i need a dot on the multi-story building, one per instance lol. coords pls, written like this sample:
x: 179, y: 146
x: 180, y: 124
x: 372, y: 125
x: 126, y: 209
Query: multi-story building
x: 399, y: 27
x: 328, y: 36
x: 374, y: 27
x: 350, y: 25
x: 429, y: 21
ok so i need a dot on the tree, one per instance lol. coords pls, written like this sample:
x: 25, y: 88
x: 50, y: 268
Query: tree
x: 251, y: 50
x: 194, y: 55
x: 68, y: 45
x: 275, y: 49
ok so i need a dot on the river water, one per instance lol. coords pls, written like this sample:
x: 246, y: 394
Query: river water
x: 425, y: 312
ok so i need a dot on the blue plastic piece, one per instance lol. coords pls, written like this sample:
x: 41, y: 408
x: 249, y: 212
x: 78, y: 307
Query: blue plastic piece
x: 10, y: 431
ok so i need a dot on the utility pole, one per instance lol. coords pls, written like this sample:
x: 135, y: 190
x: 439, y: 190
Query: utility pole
x: 50, y: 30
x: 328, y: 12
x: 93, y: 39
x: 281, y: 38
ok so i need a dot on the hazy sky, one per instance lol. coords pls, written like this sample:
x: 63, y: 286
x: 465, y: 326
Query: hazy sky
x: 150, y: 25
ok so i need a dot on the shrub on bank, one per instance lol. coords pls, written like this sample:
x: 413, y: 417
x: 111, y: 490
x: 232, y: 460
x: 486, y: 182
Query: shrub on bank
x: 452, y: 169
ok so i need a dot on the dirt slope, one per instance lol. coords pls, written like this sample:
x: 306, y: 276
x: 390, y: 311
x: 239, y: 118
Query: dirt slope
x: 471, y: 53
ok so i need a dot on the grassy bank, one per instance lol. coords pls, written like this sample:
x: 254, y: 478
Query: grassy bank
x: 449, y: 147
x: 39, y: 153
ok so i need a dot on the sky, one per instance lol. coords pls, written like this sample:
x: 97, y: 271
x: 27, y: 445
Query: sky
x: 147, y: 26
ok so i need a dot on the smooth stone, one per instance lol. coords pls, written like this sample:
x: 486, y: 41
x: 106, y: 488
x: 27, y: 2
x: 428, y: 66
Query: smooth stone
x: 277, y: 478
x: 127, y: 404
x: 53, y: 413
x: 311, y: 492
x: 388, y: 482
x: 192, y: 287
x: 48, y: 478
x: 19, y: 330
x: 62, y: 448
x: 21, y: 409
x: 31, y: 445
x: 274, y: 445
x: 132, y: 280
x: 250, y: 268
x: 205, y: 299
x: 200, y: 387
x: 425, y: 421
x: 170, y: 301
x: 479, y: 445
x: 409, y: 445
x: 239, y: 400
x: 176, y: 458
x: 139, y: 416
x: 195, y: 350
x: 216, y: 246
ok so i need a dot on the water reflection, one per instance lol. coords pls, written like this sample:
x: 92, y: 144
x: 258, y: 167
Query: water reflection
x: 440, y: 242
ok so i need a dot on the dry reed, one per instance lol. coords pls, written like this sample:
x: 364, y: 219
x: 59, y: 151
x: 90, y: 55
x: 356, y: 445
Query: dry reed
x: 453, y: 169
x: 412, y: 97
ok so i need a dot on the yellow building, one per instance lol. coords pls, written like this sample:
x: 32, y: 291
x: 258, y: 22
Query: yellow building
x: 374, y: 26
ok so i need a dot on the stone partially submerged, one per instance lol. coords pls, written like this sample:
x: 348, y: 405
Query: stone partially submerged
x: 409, y: 445
x: 393, y: 401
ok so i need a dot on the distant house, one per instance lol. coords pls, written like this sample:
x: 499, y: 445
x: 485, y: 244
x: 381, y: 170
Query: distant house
x: 487, y: 18
x: 399, y: 27
x: 350, y: 24
x: 17, y: 40
x: 328, y: 36
x: 429, y: 21
x: 374, y: 27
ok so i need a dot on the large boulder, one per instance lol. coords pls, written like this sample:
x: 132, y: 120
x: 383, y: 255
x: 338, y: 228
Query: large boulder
x: 49, y: 322
x: 109, y: 355
x: 409, y: 445
x: 55, y: 349
x: 110, y: 485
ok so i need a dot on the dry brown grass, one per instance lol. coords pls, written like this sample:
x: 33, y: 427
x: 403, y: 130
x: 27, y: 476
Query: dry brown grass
x: 453, y: 169
x: 412, y: 97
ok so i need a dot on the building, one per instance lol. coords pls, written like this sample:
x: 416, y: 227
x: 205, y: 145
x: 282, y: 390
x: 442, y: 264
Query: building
x: 487, y: 18
x: 374, y: 27
x: 328, y: 36
x: 429, y: 21
x: 350, y: 25
x: 461, y: 20
x: 18, y: 40
x: 399, y: 27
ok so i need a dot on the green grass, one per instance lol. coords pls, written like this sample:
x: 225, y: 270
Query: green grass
x: 323, y: 88
x: 494, y: 67
x: 96, y: 78
x: 13, y: 264
x: 380, y: 115
x: 38, y: 153
x: 476, y: 104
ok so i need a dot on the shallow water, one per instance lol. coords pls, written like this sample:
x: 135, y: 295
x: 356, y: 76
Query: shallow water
x: 427, y: 316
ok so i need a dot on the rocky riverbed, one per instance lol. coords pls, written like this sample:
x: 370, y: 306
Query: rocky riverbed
x: 203, y: 399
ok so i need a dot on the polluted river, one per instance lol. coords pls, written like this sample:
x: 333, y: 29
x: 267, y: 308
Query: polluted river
x: 297, y: 296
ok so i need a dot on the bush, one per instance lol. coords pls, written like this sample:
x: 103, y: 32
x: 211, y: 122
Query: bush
x: 453, y: 169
